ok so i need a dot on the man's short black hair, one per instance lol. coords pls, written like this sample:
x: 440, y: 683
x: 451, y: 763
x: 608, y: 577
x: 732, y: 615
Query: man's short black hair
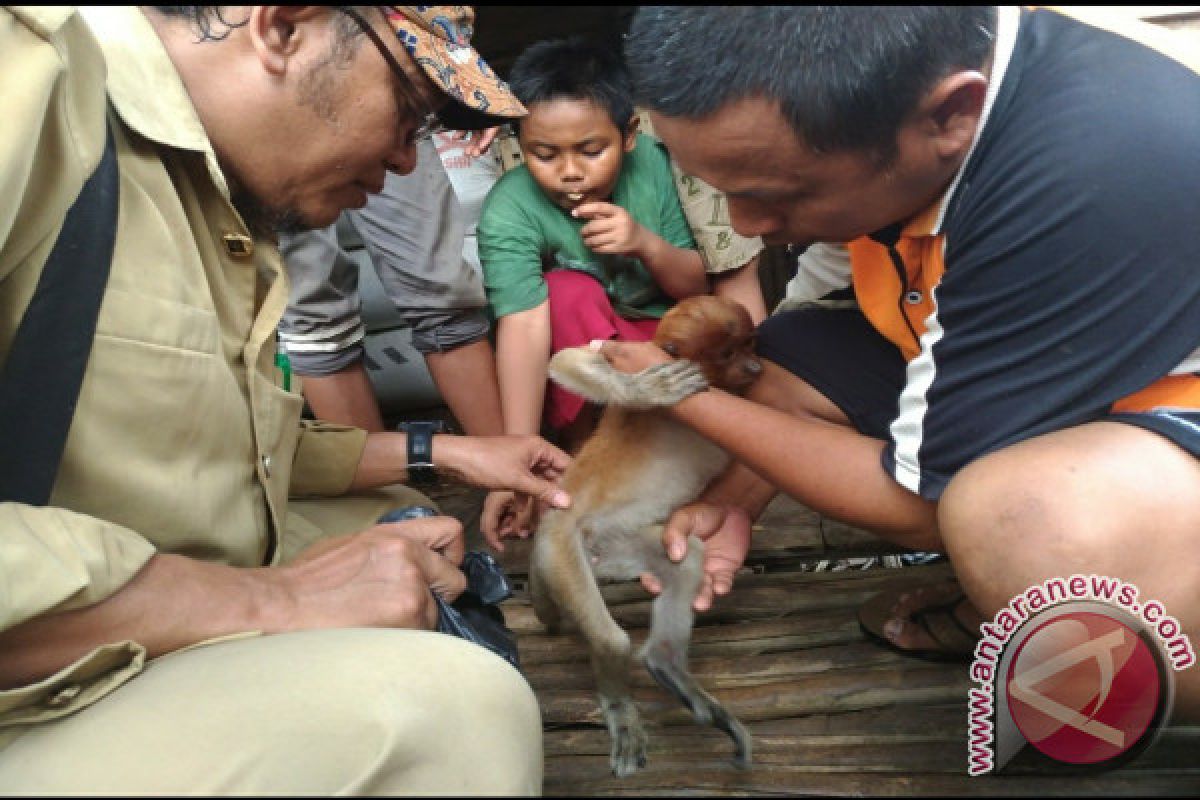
x: 577, y: 69
x: 846, y: 77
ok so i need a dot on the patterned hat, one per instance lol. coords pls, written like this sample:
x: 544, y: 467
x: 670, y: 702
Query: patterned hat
x: 438, y: 38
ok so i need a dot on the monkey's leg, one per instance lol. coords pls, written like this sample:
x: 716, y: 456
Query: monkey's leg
x: 666, y: 649
x: 543, y: 605
x: 555, y: 525
x: 566, y: 579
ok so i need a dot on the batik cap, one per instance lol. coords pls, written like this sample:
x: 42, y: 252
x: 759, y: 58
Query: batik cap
x: 438, y: 38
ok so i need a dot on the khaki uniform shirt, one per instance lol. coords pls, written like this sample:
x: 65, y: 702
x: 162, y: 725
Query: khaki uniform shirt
x: 183, y: 440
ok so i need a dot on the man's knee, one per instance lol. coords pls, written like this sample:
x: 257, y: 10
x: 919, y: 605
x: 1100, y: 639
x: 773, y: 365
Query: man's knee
x: 402, y: 712
x: 1078, y: 500
x: 485, y: 734
x: 1008, y: 522
x: 987, y: 499
x: 1082, y: 490
x: 1002, y: 506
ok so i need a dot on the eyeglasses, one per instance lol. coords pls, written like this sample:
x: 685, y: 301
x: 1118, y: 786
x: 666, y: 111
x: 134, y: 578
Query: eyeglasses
x: 430, y: 122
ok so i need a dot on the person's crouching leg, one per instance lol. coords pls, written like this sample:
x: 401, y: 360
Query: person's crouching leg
x: 322, y: 712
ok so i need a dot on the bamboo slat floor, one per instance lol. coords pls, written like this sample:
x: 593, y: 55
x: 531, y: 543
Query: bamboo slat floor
x: 831, y: 713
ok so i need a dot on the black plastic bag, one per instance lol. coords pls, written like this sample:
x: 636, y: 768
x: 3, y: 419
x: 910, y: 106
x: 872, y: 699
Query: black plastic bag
x: 475, y: 615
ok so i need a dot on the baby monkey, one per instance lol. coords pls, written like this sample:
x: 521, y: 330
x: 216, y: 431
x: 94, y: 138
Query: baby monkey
x: 638, y: 467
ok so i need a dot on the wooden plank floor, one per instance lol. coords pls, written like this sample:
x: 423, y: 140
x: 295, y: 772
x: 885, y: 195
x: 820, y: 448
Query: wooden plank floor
x: 831, y: 713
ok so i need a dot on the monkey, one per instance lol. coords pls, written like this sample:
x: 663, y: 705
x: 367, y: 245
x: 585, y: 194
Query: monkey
x: 638, y: 467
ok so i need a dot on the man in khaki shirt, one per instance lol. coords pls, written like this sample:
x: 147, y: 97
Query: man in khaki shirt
x: 165, y: 626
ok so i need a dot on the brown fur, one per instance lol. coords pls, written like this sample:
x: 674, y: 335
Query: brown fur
x: 637, y: 468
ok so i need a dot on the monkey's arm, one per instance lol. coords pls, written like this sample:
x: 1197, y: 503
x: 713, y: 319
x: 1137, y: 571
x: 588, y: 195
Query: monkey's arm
x: 588, y: 373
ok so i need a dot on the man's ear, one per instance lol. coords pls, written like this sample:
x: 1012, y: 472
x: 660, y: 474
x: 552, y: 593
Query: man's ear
x: 952, y: 111
x: 278, y: 32
x: 631, y: 132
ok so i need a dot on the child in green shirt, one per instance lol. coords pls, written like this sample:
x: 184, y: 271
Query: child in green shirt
x: 584, y: 241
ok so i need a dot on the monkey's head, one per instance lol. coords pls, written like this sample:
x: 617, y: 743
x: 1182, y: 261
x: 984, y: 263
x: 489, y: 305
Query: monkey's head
x: 715, y: 333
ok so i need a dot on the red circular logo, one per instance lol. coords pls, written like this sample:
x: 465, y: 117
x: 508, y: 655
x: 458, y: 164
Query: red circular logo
x: 1083, y: 688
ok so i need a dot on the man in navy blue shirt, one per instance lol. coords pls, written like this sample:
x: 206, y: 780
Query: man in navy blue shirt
x: 1012, y: 197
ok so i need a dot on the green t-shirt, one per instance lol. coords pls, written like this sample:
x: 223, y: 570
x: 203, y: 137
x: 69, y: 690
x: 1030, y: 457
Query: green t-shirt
x: 521, y: 234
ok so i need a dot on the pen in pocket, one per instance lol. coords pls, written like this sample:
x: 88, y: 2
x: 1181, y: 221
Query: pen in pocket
x: 285, y: 366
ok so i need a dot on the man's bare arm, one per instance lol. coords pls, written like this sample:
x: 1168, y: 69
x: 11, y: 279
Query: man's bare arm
x: 830, y: 468
x: 378, y: 578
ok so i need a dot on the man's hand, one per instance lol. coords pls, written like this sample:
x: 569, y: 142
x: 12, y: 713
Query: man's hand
x: 380, y: 577
x: 632, y: 357
x: 611, y: 229
x: 507, y: 515
x: 725, y: 531
x: 526, y: 463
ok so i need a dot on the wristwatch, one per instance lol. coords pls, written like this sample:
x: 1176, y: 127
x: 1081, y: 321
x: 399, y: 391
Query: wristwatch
x: 420, y: 449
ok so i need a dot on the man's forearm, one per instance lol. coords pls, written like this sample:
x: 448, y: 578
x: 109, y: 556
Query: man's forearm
x: 740, y: 487
x: 830, y: 468
x: 170, y: 603
x: 380, y: 577
x: 384, y: 461
x: 385, y: 458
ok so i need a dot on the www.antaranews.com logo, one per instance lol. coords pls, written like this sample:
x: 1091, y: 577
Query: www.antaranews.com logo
x: 1077, y: 668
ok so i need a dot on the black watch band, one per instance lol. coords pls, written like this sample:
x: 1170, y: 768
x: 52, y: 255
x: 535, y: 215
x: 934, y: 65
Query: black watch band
x: 420, y: 450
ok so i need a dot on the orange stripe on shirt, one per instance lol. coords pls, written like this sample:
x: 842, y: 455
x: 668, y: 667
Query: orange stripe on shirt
x: 1172, y: 391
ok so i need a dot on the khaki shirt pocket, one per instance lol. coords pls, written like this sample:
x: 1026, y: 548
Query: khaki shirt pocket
x: 155, y: 321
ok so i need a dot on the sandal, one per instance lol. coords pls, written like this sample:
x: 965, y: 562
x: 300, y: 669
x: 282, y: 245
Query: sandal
x: 951, y: 639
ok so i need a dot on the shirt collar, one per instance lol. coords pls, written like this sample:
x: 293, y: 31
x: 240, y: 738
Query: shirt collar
x: 143, y: 84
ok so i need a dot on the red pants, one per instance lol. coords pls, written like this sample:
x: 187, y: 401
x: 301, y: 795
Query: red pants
x: 580, y: 311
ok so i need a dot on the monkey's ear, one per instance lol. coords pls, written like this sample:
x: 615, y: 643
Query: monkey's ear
x: 671, y: 349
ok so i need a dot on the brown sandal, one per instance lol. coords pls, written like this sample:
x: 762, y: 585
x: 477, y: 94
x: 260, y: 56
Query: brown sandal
x: 954, y: 641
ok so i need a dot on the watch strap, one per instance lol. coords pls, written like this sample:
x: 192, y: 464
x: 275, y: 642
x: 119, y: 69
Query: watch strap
x: 419, y: 450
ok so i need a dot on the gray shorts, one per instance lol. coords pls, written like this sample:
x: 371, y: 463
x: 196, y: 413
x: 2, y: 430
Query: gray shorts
x: 413, y: 231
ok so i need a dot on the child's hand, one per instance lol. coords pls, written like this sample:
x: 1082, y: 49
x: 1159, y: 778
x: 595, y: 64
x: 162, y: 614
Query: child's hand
x: 476, y: 142
x: 610, y: 230
x: 507, y: 515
